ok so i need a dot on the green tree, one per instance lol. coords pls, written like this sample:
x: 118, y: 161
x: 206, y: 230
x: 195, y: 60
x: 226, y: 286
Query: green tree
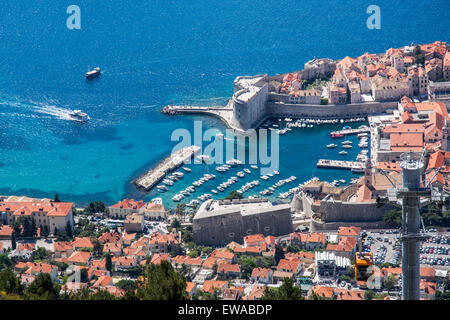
x: 389, y: 282
x: 108, y: 262
x: 161, y: 282
x: 234, y: 195
x: 287, y: 291
x: 13, y: 241
x: 68, y: 230
x: 369, y: 295
x: 44, y: 231
x: 393, y: 217
x: 98, y: 247
x: 279, y: 253
x: 5, y: 261
x: 127, y: 285
x: 96, y: 207
x: 179, y: 210
x: 175, y: 223
x: 41, y: 254
x: 9, y: 282
x: 419, y: 56
x: 42, y: 288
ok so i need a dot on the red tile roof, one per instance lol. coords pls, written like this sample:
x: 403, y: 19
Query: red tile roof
x: 129, y: 204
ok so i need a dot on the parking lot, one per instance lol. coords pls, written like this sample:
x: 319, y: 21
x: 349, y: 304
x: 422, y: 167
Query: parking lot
x: 385, y: 247
x: 436, y: 251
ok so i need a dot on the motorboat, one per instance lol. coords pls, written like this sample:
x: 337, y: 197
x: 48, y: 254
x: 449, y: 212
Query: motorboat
x: 331, y: 145
x: 93, y: 73
x: 343, y: 152
x: 78, y: 115
x: 187, y: 169
x: 336, y: 135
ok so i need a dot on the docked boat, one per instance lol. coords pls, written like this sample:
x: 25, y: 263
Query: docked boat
x: 177, y: 197
x: 331, y: 145
x: 270, y: 175
x: 336, y: 135
x: 264, y: 177
x: 78, y: 115
x: 214, y: 191
x: 365, y: 134
x: 341, y: 180
x: 358, y: 169
x: 254, y: 167
x: 167, y: 182
x: 276, y: 172
x: 343, y: 152
x: 347, y: 142
x: 347, y: 146
x: 187, y: 169
x: 240, y: 174
x: 93, y: 73
x: 179, y: 175
x: 247, y: 171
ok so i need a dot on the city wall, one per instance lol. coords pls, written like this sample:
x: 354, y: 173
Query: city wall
x: 277, y: 109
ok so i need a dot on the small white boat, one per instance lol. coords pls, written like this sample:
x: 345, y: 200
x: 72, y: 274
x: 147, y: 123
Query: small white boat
x: 331, y: 145
x: 276, y: 172
x: 264, y: 177
x: 343, y: 152
x: 247, y: 171
x: 347, y: 146
x: 78, y: 115
x: 187, y: 169
x: 167, y: 182
x: 254, y: 167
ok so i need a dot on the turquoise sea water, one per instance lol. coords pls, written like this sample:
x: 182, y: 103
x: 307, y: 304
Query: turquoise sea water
x: 155, y: 52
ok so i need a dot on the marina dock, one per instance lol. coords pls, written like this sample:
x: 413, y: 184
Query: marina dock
x: 341, y: 164
x: 149, y: 179
x: 351, y: 131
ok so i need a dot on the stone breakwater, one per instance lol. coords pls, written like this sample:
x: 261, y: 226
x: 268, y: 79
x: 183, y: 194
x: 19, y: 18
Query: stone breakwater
x: 149, y: 179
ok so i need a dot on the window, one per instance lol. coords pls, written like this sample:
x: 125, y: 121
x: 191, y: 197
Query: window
x: 231, y: 234
x: 249, y: 231
x: 266, y: 228
x: 213, y: 238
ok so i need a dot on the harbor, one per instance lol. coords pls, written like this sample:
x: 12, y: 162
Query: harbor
x: 149, y: 179
x: 355, y: 166
x: 350, y: 131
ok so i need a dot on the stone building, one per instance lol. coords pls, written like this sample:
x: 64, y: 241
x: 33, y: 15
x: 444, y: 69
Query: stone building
x: 219, y: 222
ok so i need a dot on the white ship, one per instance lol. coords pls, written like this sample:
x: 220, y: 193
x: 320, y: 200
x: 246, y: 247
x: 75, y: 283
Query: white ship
x: 78, y: 115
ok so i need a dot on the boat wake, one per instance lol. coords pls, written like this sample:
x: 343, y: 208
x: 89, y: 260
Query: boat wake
x: 60, y: 113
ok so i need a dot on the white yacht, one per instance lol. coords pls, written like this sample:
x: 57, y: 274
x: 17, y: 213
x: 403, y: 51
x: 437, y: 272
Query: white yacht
x: 78, y: 115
